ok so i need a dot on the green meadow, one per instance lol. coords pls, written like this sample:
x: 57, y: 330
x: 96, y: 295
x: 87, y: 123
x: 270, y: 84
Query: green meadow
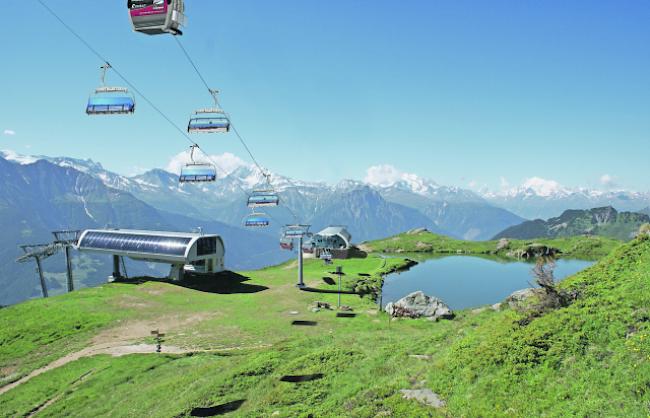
x: 232, y: 348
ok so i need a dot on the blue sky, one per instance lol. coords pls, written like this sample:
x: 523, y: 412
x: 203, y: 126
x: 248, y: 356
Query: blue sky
x: 460, y: 92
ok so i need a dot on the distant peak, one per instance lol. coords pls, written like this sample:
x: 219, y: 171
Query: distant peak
x: 13, y: 156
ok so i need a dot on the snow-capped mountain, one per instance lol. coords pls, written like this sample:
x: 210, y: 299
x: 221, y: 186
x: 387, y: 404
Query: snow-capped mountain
x: 538, y: 198
x: 458, y: 212
x: 38, y: 196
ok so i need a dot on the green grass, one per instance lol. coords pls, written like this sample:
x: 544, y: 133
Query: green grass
x: 582, y: 247
x: 590, y: 359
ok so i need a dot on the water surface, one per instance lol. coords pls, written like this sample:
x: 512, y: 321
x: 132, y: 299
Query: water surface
x: 466, y: 281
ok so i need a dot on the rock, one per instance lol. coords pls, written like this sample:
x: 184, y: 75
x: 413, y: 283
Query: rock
x: 420, y: 356
x: 503, y: 244
x: 424, y: 396
x: 346, y: 308
x: 535, y: 250
x: 496, y: 307
x: 423, y: 246
x: 417, y: 304
x: 416, y: 231
x: 293, y: 312
x: 518, y: 299
x: 314, y: 309
x: 322, y: 305
x: 478, y: 310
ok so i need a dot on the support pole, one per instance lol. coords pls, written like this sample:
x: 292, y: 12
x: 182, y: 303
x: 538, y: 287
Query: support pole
x: 39, y: 267
x: 68, y: 264
x: 300, y: 277
x: 116, y: 268
x: 339, y: 270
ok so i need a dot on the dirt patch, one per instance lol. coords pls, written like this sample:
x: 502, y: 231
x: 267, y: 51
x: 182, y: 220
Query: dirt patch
x: 130, y: 302
x: 153, y: 291
x: 423, y: 246
x: 365, y: 248
x: 118, y: 341
x: 133, y: 330
x: 291, y: 265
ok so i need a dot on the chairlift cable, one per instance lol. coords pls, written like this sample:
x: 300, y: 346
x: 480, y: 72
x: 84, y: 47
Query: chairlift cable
x: 107, y: 63
x: 232, y: 126
x: 133, y: 87
x: 210, y: 91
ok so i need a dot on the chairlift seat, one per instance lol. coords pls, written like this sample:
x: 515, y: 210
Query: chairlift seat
x: 263, y: 198
x: 194, y: 173
x: 110, y: 105
x: 258, y: 220
x: 208, y: 124
x: 295, y: 231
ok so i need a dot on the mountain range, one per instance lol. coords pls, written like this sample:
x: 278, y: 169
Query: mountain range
x: 457, y: 212
x: 40, y: 194
x: 538, y: 198
x: 604, y: 221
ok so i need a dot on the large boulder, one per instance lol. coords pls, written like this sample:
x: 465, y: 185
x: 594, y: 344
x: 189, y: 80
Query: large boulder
x: 417, y: 304
x: 521, y: 300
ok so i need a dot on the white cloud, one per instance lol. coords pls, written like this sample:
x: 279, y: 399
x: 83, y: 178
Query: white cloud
x: 383, y: 175
x: 542, y: 187
x: 504, y: 183
x: 226, y: 162
x: 472, y: 184
x: 386, y: 175
x: 9, y: 132
x: 608, y: 181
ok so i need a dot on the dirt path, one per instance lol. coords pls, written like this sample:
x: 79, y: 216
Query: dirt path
x: 121, y: 341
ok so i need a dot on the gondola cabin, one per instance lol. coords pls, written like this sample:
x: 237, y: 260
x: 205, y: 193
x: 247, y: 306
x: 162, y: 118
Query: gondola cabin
x: 197, y: 173
x: 286, y: 244
x: 156, y: 17
x: 308, y: 245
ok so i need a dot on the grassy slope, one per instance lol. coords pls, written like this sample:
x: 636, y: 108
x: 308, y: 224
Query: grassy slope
x: 589, y: 248
x: 574, y: 361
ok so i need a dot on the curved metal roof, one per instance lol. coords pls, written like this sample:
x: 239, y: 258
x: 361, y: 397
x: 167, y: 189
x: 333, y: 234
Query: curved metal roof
x: 340, y: 231
x: 154, y: 244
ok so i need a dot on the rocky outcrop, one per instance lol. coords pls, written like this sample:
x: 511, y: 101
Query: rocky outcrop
x: 417, y: 304
x: 534, y: 251
x: 424, y: 396
x: 520, y: 299
x: 503, y: 244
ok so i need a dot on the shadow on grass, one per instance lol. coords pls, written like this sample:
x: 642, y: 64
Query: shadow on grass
x: 301, y: 378
x: 329, y: 280
x: 304, y: 323
x: 345, y: 315
x: 212, y: 411
x: 224, y: 283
